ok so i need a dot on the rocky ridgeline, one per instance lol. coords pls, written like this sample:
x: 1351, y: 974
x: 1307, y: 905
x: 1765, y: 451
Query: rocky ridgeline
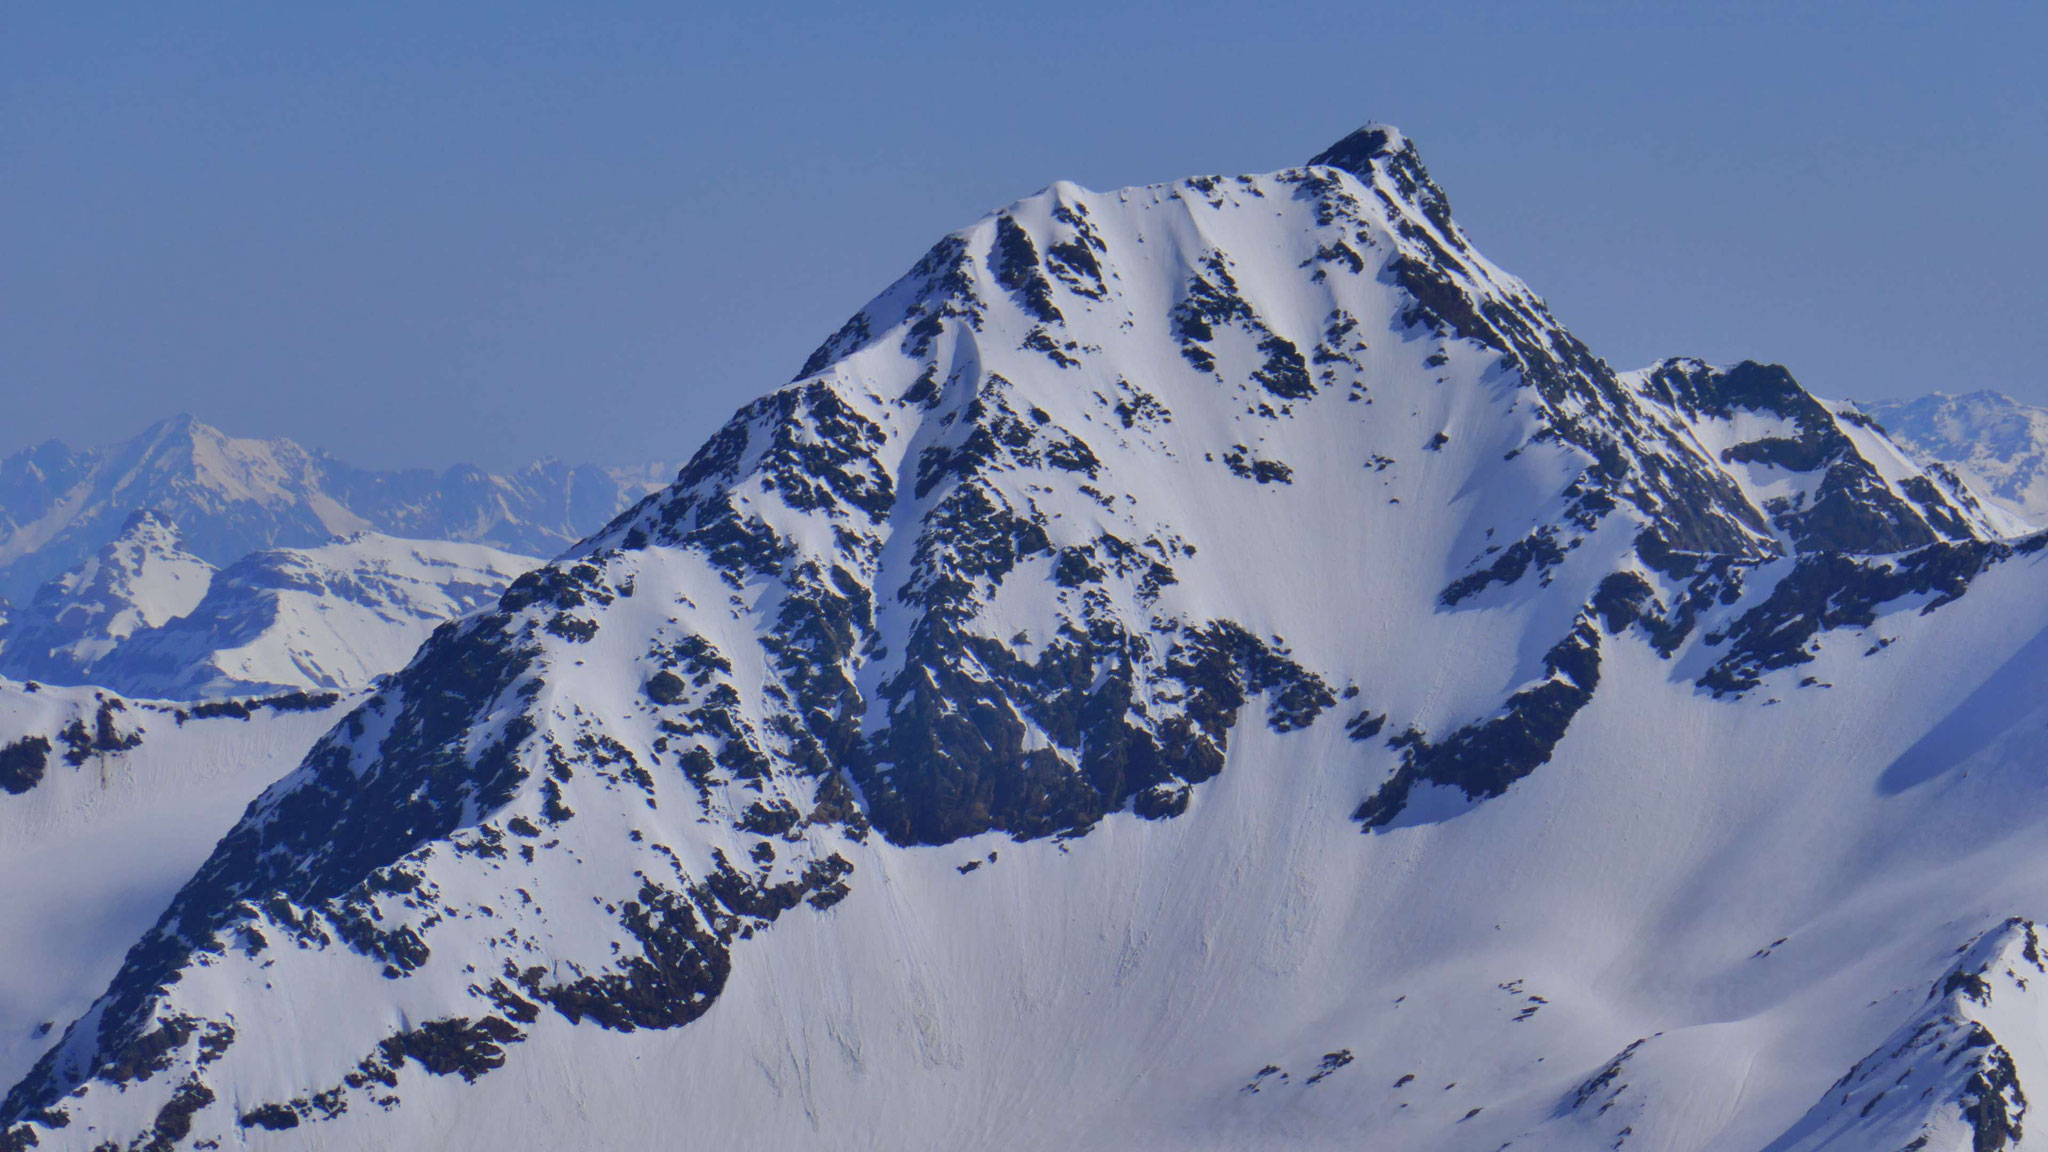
x: 1944, y: 1079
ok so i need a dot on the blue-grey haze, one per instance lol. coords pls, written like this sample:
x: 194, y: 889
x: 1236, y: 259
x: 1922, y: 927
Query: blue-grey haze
x: 413, y: 233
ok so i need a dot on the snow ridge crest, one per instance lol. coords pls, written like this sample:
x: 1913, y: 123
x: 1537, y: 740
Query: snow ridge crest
x: 1945, y: 1079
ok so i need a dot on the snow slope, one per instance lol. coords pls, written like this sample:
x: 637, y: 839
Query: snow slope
x: 106, y: 805
x: 233, y: 495
x: 1211, y: 665
x: 141, y: 579
x: 1999, y: 444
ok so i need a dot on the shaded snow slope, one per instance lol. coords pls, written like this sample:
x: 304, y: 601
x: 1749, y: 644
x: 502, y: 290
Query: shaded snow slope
x: 234, y: 495
x: 141, y: 579
x: 106, y: 804
x: 332, y: 617
x: 1999, y: 444
x: 1205, y: 665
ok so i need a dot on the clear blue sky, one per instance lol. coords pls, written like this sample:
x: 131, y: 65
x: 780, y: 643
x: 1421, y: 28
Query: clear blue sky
x: 412, y: 233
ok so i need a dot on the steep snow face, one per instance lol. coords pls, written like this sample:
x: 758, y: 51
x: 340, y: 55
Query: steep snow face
x: 232, y: 495
x: 106, y: 805
x: 1997, y: 443
x: 139, y: 580
x: 328, y: 618
x: 1212, y: 664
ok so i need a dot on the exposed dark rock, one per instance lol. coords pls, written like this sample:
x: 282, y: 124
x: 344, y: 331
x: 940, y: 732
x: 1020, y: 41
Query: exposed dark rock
x: 274, y: 1117
x: 103, y: 738
x: 665, y: 687
x: 1481, y: 760
x: 1538, y: 549
x: 1241, y: 463
x: 1014, y: 261
x: 453, y: 1047
x: 22, y: 763
x: 1830, y: 590
x: 174, y: 1120
x: 245, y: 709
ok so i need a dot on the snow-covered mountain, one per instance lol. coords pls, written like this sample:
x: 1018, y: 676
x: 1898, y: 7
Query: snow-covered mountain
x: 333, y: 617
x: 145, y: 618
x: 1208, y: 665
x: 139, y: 580
x: 1999, y: 444
x: 231, y: 496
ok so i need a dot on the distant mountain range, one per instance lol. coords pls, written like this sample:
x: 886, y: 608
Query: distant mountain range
x: 1999, y: 444
x: 146, y: 618
x: 230, y: 496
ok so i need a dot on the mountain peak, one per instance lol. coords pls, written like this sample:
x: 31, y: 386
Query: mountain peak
x: 140, y: 579
x: 229, y: 495
x: 1997, y: 443
x: 146, y: 519
x: 1356, y: 152
x: 180, y: 424
x: 1378, y: 150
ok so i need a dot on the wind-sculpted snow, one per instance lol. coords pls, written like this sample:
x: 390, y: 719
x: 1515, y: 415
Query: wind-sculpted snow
x: 1118, y: 510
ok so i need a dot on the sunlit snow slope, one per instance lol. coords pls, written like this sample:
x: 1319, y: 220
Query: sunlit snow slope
x: 1211, y: 665
x: 147, y: 618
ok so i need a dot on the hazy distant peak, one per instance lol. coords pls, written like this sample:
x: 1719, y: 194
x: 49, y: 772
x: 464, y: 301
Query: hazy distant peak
x: 1997, y: 443
x: 231, y: 495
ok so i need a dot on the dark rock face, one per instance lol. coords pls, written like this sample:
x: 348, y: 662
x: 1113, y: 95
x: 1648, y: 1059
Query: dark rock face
x: 1016, y: 266
x: 1482, y: 759
x: 22, y: 763
x: 244, y: 709
x: 954, y: 762
x: 1992, y: 1100
x: 1852, y: 510
x: 1830, y: 590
